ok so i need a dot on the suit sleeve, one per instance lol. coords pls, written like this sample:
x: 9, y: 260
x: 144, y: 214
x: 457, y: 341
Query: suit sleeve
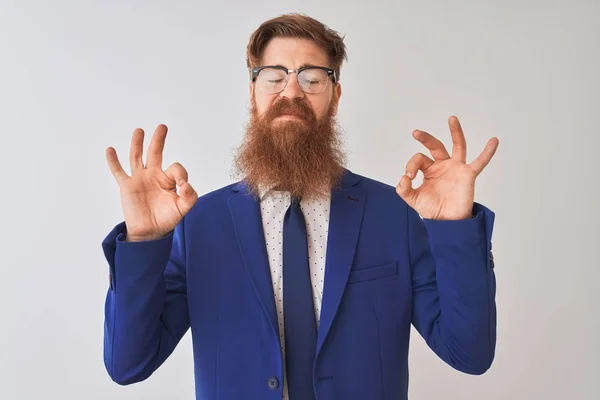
x: 454, y: 288
x: 146, y: 312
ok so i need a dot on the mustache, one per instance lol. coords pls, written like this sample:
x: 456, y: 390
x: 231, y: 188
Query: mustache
x: 285, y: 106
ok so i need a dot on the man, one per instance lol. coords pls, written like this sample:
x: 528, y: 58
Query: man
x: 301, y: 280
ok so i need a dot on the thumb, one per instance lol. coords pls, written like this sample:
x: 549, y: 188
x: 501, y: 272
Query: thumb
x: 187, y: 198
x: 406, y: 191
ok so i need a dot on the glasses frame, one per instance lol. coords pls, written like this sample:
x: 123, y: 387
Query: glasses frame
x: 330, y: 74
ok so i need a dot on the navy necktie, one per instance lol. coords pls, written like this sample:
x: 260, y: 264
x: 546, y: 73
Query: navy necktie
x: 298, y: 313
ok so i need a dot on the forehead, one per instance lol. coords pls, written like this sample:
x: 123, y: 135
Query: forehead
x: 292, y: 53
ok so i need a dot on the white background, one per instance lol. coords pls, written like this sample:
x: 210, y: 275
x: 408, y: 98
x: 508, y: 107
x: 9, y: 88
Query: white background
x: 78, y: 76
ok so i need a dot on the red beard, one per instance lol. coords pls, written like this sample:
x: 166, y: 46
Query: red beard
x: 301, y: 155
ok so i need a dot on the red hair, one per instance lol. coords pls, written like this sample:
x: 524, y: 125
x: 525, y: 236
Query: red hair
x: 297, y: 26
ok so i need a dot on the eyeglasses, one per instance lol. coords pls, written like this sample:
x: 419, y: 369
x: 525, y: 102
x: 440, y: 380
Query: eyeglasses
x: 273, y: 79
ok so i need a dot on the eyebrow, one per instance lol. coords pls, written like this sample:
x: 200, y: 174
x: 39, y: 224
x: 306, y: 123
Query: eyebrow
x: 304, y: 65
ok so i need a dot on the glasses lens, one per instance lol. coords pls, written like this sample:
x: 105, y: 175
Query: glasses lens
x: 272, y: 80
x: 313, y: 80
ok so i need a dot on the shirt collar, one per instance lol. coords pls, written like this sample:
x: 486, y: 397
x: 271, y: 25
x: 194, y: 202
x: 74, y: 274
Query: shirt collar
x: 264, y: 190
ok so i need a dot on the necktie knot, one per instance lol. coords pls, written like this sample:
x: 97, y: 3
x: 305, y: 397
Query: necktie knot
x: 295, y: 201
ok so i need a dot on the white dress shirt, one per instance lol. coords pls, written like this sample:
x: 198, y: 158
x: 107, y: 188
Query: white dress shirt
x: 273, y: 206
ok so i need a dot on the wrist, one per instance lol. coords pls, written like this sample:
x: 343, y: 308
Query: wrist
x: 134, y: 238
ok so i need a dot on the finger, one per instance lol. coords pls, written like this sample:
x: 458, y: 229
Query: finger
x: 115, y: 166
x: 136, y: 150
x: 157, y: 145
x: 417, y: 162
x: 177, y: 173
x: 437, y: 149
x: 486, y: 155
x: 459, y: 144
x: 406, y: 191
x: 187, y: 198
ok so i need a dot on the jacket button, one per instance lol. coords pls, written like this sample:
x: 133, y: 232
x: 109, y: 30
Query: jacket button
x: 273, y: 383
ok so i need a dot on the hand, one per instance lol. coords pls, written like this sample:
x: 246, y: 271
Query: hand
x: 151, y: 205
x: 448, y: 188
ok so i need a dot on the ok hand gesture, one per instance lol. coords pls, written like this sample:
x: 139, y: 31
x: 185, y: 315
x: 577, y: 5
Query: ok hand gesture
x: 151, y: 205
x: 448, y: 188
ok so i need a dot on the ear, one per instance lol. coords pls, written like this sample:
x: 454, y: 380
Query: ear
x: 337, y: 93
x: 251, y: 87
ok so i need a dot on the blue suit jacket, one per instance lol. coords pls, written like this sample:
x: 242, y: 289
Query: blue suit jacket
x: 385, y: 269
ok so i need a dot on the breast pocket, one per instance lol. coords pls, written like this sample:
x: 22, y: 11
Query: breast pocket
x: 371, y: 273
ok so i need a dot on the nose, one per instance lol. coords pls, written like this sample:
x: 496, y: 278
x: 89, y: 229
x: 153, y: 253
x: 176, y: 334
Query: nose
x: 292, y: 90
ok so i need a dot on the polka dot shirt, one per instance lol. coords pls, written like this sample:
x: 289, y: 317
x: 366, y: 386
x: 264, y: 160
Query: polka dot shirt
x: 273, y: 207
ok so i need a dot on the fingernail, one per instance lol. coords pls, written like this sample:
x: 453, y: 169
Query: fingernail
x: 409, y: 174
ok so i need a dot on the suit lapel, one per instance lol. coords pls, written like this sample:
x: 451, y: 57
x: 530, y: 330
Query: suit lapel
x: 346, y: 212
x: 245, y: 211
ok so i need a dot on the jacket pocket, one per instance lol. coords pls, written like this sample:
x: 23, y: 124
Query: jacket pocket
x: 373, y: 272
